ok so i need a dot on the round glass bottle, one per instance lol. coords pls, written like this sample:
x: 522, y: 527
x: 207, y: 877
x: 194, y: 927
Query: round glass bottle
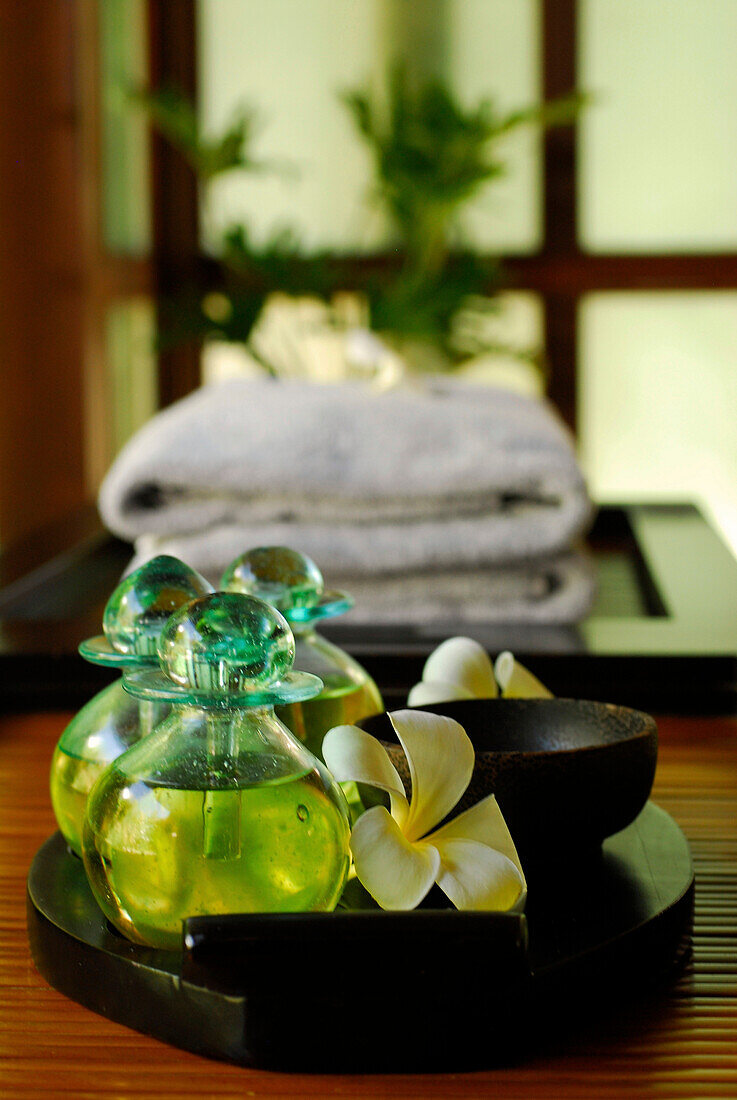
x: 220, y: 809
x: 292, y: 583
x: 113, y: 720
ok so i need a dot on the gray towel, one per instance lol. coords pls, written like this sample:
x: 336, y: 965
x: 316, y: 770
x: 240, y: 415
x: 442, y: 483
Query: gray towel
x: 557, y: 590
x: 429, y: 478
x: 365, y: 550
x: 560, y: 590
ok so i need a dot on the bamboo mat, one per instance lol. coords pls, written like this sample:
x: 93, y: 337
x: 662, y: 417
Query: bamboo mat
x: 681, y: 1042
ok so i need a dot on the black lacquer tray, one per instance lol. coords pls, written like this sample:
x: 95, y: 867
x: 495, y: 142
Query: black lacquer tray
x: 370, y: 991
x: 662, y: 636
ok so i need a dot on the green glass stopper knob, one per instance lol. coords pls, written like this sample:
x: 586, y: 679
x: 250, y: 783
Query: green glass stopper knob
x: 227, y: 642
x: 142, y: 603
x: 282, y: 577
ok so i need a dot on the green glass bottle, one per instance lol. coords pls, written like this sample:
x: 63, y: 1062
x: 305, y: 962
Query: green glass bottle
x: 292, y: 583
x: 220, y: 809
x: 113, y: 720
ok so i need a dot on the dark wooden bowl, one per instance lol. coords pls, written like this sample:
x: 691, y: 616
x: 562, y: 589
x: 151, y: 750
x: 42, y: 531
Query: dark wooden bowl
x: 566, y: 772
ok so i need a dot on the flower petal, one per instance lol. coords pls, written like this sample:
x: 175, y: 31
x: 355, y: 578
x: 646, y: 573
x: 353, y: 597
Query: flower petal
x: 352, y: 754
x: 484, y: 823
x: 516, y: 681
x: 464, y: 662
x: 395, y: 872
x: 435, y: 691
x: 440, y: 757
x: 476, y: 877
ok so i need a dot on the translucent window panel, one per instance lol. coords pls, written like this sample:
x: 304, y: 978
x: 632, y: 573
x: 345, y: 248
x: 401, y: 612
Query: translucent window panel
x: 131, y: 367
x: 290, y: 61
x: 658, y: 149
x: 126, y: 205
x: 658, y: 398
x: 495, y: 53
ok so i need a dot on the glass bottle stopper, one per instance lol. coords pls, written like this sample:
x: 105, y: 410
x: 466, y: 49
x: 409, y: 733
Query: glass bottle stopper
x: 288, y: 580
x: 227, y: 644
x: 139, y: 608
x: 226, y: 648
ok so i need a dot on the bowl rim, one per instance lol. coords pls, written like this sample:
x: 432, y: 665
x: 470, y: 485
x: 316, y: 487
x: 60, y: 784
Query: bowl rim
x: 647, y: 732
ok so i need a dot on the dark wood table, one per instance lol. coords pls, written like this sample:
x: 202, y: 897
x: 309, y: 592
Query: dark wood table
x: 680, y: 1041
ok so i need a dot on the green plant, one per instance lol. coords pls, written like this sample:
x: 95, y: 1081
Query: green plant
x: 431, y: 157
x: 208, y: 156
x: 231, y: 287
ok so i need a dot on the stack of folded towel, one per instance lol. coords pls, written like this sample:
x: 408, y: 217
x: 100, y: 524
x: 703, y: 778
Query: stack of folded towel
x: 436, y: 502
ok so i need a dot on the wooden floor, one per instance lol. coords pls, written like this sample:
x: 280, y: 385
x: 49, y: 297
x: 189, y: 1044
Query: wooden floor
x: 681, y: 1043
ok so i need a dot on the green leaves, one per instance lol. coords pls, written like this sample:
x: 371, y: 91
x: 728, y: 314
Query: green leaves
x: 432, y: 156
x: 429, y: 153
x: 176, y: 119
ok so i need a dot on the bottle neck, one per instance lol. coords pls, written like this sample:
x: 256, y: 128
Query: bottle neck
x: 303, y: 630
x: 151, y: 713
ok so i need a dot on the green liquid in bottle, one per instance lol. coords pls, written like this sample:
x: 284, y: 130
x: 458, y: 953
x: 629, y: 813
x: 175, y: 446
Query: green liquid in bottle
x: 104, y: 728
x: 164, y: 854
x: 341, y: 702
x: 291, y: 582
x: 72, y: 780
x: 349, y: 694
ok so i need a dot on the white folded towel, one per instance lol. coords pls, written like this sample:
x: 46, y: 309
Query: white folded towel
x: 560, y: 590
x: 370, y: 549
x: 438, y: 476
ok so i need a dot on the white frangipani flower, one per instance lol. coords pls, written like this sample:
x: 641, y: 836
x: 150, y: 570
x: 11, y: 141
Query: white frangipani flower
x: 397, y: 856
x: 517, y: 682
x: 460, y: 668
